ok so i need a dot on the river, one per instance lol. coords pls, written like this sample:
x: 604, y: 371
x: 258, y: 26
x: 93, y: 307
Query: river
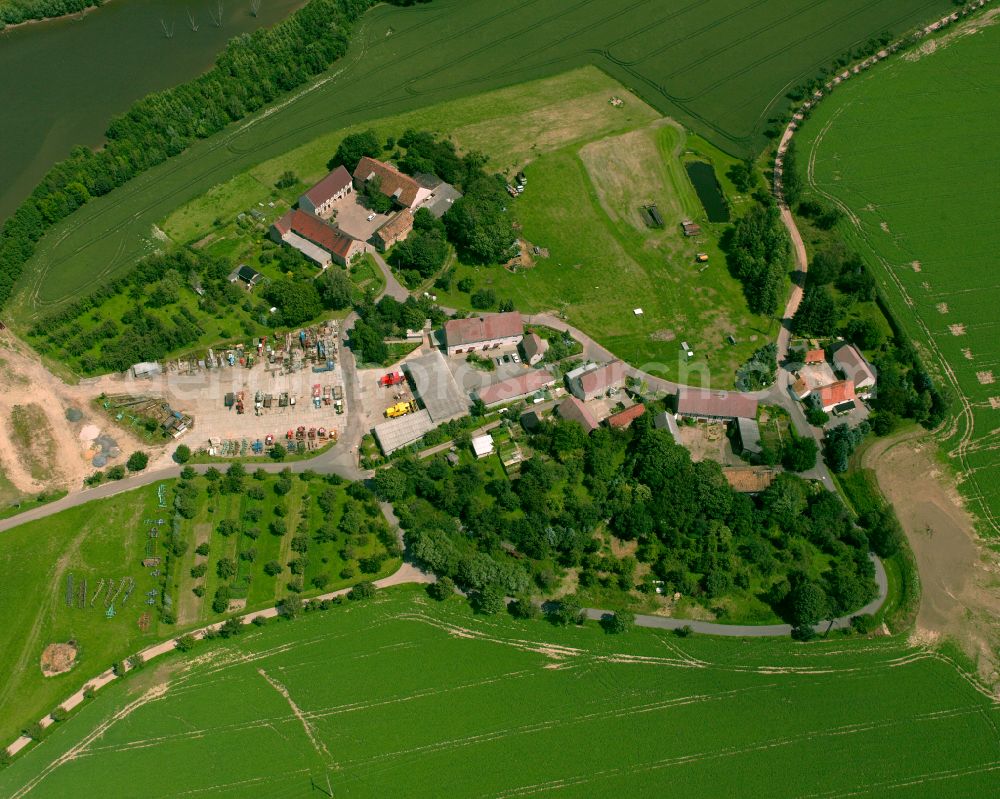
x: 64, y: 79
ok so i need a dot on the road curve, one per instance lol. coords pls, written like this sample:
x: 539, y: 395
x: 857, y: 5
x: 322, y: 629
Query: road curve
x: 758, y: 630
x: 409, y: 574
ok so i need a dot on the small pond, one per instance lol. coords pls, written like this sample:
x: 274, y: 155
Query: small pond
x: 709, y: 191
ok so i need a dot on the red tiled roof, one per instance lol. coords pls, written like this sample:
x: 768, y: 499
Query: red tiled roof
x: 723, y: 404
x: 836, y: 393
x: 602, y: 378
x: 533, y: 345
x: 516, y: 387
x: 400, y: 223
x: 395, y: 184
x: 624, y: 418
x: 854, y: 364
x: 459, y: 332
x: 575, y: 411
x: 318, y: 232
x: 329, y: 186
x: 815, y: 356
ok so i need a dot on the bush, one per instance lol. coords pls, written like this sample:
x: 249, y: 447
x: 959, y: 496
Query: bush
x: 182, y: 454
x: 364, y: 590
x: 137, y: 461
x: 863, y: 624
x: 186, y: 643
x: 220, y: 604
x: 621, y: 621
x: 116, y: 472
x: 817, y: 416
x: 522, y: 607
x: 443, y: 588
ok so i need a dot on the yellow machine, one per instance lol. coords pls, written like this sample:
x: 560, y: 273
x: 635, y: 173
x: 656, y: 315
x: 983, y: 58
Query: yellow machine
x: 400, y: 409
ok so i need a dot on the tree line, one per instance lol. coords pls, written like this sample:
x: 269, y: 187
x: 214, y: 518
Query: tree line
x: 251, y: 72
x: 698, y: 536
x: 14, y: 12
x: 757, y: 248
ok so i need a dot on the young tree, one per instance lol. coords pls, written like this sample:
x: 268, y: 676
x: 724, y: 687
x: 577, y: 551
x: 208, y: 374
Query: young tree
x: 225, y: 568
x: 621, y: 621
x: 489, y: 601
x: 182, y: 454
x: 272, y: 568
x: 335, y: 289
x: 363, y: 590
x: 443, y: 588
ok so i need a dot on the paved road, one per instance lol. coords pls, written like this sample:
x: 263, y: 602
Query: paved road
x: 393, y: 287
x: 758, y: 630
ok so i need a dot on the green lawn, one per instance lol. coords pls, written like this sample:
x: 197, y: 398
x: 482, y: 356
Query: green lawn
x: 108, y: 539
x: 721, y: 70
x: 582, y: 204
x: 402, y: 694
x: 921, y: 198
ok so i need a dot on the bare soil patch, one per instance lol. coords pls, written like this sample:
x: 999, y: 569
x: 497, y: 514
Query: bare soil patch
x: 58, y: 658
x: 959, y: 594
x: 63, y: 455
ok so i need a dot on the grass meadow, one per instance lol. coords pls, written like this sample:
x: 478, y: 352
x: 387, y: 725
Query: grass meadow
x: 719, y: 69
x: 590, y: 166
x: 915, y: 171
x: 400, y: 695
x: 108, y: 539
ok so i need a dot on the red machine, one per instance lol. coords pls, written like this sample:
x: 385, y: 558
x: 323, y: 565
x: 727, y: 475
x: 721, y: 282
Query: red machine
x: 391, y: 379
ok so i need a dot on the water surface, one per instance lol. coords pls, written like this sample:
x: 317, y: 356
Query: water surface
x: 62, y: 80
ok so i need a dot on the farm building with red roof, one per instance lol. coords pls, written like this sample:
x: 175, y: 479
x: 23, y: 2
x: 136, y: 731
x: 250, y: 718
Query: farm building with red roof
x: 393, y: 231
x: 515, y: 388
x: 700, y: 403
x: 575, y: 411
x: 483, y: 332
x: 320, y: 198
x: 403, y: 189
x: 624, y: 418
x: 315, y: 239
x: 839, y: 393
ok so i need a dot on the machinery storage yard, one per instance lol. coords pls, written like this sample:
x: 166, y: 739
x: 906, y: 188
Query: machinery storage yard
x: 287, y: 390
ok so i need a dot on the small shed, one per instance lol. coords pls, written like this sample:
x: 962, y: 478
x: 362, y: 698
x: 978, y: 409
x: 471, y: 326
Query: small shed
x: 247, y: 275
x: 146, y: 369
x: 749, y: 435
x: 483, y: 445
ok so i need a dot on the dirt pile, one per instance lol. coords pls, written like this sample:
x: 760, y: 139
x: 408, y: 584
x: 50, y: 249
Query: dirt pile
x: 58, y: 658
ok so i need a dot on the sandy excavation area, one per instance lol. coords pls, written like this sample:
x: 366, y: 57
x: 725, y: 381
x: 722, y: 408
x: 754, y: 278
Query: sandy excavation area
x: 56, y: 449
x: 960, y: 597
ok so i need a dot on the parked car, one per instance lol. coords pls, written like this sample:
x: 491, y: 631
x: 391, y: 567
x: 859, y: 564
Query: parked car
x: 499, y: 360
x: 515, y: 358
x: 371, y: 217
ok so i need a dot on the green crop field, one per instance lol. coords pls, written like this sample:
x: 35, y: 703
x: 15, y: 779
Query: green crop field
x: 920, y: 182
x: 720, y: 69
x: 107, y: 539
x: 403, y: 696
